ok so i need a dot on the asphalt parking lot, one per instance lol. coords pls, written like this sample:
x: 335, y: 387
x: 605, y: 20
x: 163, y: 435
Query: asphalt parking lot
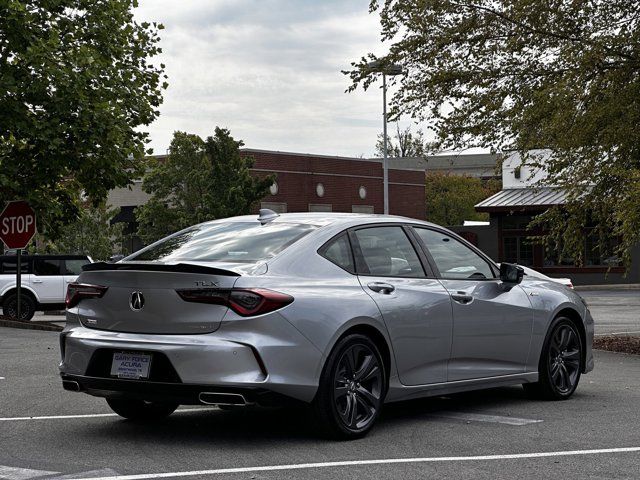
x: 614, y: 311
x: 46, y: 432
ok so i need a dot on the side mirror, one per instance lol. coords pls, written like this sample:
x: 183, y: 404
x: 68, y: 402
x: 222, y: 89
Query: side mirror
x: 511, y: 273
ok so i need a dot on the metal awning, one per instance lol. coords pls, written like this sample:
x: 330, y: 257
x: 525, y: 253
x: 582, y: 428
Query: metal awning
x: 532, y: 198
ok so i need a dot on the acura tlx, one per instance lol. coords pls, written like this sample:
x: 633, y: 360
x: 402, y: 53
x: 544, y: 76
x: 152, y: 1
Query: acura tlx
x: 344, y: 312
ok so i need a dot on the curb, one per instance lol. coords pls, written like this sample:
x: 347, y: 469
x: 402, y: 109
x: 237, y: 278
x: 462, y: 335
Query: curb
x: 47, y: 327
x: 610, y: 286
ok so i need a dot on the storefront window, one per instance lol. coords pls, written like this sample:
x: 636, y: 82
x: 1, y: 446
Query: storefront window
x: 516, y: 222
x: 593, y: 255
x: 518, y: 249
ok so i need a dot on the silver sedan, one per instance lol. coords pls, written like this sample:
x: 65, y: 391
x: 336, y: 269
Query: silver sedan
x: 344, y: 312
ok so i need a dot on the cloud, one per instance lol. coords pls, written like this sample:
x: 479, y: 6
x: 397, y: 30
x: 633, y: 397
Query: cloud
x: 269, y: 71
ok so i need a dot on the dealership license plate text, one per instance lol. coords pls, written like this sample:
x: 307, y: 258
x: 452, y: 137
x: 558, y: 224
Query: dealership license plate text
x: 130, y: 365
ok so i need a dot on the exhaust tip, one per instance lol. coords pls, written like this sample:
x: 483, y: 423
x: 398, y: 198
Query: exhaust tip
x: 213, y: 398
x: 71, y: 385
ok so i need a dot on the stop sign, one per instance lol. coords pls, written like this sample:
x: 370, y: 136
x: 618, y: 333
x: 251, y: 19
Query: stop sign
x: 17, y: 224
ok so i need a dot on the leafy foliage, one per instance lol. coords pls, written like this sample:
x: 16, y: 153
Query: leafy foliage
x: 451, y: 198
x: 92, y: 234
x: 405, y: 144
x: 75, y: 86
x: 200, y: 180
x: 525, y: 74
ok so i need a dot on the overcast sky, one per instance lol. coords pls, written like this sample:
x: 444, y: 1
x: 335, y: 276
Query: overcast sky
x: 269, y: 71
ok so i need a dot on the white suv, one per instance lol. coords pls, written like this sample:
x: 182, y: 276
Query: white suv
x: 44, y: 282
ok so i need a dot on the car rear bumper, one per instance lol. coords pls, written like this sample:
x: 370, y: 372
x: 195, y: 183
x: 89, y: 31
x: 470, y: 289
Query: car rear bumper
x: 184, y: 394
x: 261, y: 354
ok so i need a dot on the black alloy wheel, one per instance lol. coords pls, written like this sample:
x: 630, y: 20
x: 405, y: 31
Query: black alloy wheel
x: 352, y: 388
x: 560, y: 363
x: 27, y: 307
x: 564, y: 358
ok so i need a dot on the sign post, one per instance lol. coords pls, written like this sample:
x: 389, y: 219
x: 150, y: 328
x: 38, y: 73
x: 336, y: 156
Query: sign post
x: 17, y: 228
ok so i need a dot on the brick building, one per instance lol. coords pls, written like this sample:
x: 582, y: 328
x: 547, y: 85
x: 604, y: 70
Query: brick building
x: 323, y: 183
x: 320, y: 183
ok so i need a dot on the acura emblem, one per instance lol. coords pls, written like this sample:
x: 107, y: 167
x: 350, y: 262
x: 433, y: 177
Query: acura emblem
x: 136, y: 302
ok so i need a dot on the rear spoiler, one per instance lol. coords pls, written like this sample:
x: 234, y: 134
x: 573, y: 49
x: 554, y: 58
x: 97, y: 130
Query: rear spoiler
x: 158, y: 267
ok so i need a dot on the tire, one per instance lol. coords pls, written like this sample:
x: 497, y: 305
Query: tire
x: 27, y: 306
x: 560, y: 363
x: 352, y: 388
x: 141, y: 410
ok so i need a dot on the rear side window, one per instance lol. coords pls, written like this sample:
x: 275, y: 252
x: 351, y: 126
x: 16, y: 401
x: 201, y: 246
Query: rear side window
x: 387, y: 252
x: 338, y: 251
x: 74, y: 267
x: 46, y: 267
x: 225, y: 242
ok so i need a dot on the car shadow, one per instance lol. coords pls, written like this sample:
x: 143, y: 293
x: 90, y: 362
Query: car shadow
x: 290, y: 425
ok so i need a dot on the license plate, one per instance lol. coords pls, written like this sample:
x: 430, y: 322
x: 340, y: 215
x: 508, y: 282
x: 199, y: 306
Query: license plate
x: 130, y: 365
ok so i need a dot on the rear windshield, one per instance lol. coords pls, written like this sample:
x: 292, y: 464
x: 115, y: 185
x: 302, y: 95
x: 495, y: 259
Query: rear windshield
x: 225, y: 242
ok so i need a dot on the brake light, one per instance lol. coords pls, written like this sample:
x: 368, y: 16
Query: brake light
x: 246, y: 302
x: 78, y: 291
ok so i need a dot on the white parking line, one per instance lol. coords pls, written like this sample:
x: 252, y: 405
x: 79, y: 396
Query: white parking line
x: 91, y: 415
x: 105, y: 472
x: 476, y: 417
x: 14, y: 473
x: 303, y: 466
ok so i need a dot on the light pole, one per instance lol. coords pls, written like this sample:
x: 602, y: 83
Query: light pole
x: 391, y: 69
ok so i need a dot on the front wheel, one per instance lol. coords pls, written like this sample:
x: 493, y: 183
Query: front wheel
x: 560, y: 363
x: 352, y: 388
x: 27, y: 307
x: 141, y: 410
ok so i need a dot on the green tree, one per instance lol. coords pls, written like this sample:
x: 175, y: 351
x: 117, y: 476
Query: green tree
x: 75, y: 86
x: 200, y: 180
x: 404, y: 144
x: 451, y: 198
x: 91, y: 234
x: 525, y: 74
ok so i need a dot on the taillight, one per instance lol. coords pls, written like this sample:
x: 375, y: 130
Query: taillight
x: 246, y: 302
x: 78, y: 291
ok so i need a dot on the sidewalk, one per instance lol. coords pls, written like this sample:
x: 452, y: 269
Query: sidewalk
x: 53, y: 321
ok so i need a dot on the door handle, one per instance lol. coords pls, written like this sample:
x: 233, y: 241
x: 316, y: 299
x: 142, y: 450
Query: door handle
x: 381, y: 287
x: 35, y: 280
x: 462, y: 298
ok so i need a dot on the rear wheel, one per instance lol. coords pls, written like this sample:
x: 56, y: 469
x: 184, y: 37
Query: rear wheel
x: 560, y: 363
x: 27, y: 307
x: 352, y: 388
x: 141, y: 410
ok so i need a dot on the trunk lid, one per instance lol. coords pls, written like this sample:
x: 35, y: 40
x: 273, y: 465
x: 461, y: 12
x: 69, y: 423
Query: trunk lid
x: 142, y: 298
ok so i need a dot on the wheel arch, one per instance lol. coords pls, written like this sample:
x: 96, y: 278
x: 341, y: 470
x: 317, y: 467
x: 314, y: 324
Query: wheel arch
x: 577, y: 321
x: 376, y: 336
x: 24, y: 290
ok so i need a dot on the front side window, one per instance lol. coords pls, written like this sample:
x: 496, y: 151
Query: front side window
x: 46, y: 267
x: 453, y: 258
x: 387, y: 252
x: 248, y: 242
x: 338, y: 251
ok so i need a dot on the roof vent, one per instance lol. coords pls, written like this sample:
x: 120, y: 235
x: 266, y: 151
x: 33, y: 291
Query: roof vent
x: 267, y: 215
